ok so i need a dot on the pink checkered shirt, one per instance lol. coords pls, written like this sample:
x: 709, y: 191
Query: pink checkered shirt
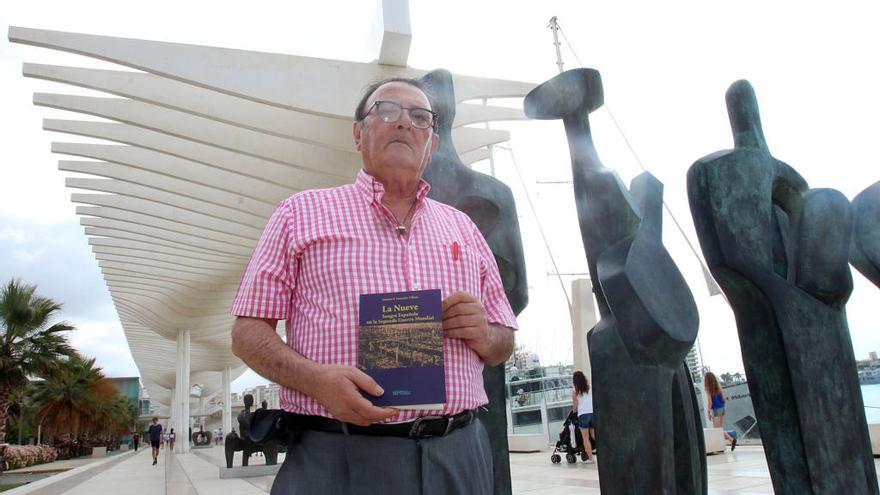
x: 321, y: 249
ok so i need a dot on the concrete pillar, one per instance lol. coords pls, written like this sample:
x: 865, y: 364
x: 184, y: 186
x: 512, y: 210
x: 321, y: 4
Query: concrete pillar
x: 545, y: 417
x: 203, y: 419
x: 509, y: 412
x: 583, y: 318
x: 172, y: 421
x: 181, y: 427
x: 227, y: 400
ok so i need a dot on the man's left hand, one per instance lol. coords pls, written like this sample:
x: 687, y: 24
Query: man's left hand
x: 465, y: 318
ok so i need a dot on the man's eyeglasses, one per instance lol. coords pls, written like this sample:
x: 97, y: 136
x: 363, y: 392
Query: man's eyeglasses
x: 389, y: 112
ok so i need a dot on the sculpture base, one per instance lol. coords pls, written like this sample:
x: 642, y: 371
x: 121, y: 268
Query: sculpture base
x: 194, y: 446
x: 249, y: 471
x: 523, y: 443
x: 714, y: 440
x: 874, y: 433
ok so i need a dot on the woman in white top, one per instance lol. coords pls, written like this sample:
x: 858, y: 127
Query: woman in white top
x: 582, y: 404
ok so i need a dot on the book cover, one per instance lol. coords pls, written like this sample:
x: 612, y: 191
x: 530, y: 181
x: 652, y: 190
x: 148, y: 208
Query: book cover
x: 400, y: 345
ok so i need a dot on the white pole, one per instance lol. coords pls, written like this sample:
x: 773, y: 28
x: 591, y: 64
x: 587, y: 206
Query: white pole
x: 545, y: 418
x: 554, y: 26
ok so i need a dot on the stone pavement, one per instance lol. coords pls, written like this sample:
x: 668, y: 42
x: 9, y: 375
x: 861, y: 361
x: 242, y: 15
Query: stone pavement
x: 743, y: 472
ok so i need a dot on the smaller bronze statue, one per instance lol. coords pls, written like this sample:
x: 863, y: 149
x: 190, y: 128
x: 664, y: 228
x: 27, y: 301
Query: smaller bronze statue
x: 234, y: 442
x: 200, y: 438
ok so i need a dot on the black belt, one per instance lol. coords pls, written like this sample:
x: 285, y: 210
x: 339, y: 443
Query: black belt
x: 424, y: 427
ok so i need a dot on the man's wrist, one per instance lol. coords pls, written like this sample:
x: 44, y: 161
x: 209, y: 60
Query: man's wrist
x: 309, y: 377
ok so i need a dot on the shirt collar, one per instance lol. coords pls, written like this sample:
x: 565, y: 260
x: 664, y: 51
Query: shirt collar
x: 373, y: 190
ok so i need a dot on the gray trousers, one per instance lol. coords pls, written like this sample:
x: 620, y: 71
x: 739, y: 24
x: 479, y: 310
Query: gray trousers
x: 334, y: 463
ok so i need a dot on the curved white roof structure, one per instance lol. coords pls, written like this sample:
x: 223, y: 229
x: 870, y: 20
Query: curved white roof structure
x: 206, y: 142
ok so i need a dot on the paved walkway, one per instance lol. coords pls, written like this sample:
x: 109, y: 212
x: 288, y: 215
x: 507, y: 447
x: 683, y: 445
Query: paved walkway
x: 197, y: 473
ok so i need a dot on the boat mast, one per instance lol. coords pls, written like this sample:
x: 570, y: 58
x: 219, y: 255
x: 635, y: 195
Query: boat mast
x: 554, y: 26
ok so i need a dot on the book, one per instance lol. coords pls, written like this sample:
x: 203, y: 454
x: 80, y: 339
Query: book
x: 400, y: 345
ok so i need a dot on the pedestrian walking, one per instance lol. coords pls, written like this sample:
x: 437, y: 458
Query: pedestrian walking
x: 155, y: 438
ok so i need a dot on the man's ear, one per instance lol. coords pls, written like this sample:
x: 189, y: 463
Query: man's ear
x: 356, y: 129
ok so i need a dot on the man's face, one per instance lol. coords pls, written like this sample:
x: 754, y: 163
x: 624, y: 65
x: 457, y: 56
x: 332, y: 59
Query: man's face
x: 395, y: 150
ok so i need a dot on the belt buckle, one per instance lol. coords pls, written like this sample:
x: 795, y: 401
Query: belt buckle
x: 414, y: 431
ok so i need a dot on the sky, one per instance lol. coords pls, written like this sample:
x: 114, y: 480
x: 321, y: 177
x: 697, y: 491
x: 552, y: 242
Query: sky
x: 665, y: 68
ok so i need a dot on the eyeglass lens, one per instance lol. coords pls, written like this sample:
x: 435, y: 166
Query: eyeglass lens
x: 390, y: 111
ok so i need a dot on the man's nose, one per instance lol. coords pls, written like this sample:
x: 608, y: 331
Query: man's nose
x: 405, y: 119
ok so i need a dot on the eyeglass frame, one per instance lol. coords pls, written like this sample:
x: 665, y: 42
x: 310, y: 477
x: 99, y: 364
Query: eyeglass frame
x: 376, y: 104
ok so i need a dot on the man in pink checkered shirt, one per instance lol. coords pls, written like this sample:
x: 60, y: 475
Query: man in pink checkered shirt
x: 319, y: 251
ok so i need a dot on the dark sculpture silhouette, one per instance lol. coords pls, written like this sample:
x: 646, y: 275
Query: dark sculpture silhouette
x: 648, y: 422
x: 779, y: 251
x: 200, y: 438
x: 489, y: 203
x: 234, y: 442
x: 864, y: 252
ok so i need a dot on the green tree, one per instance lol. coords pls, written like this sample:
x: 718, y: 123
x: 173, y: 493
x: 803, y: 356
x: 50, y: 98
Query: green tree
x: 30, y: 343
x: 75, y: 398
x: 726, y: 378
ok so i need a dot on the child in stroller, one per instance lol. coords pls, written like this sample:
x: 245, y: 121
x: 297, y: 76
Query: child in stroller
x: 570, y: 442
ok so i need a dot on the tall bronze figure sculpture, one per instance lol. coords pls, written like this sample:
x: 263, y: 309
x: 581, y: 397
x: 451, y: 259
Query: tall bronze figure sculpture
x: 779, y: 251
x: 648, y: 427
x: 864, y: 253
x: 489, y: 203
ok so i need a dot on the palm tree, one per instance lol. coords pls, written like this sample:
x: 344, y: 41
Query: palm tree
x: 72, y: 398
x: 78, y: 399
x: 30, y: 343
x: 726, y: 378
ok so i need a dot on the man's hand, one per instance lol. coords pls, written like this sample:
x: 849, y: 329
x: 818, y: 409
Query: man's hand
x: 465, y: 318
x: 337, y: 388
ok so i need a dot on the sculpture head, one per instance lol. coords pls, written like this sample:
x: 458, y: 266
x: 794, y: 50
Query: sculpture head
x: 572, y: 93
x: 248, y: 401
x: 439, y: 87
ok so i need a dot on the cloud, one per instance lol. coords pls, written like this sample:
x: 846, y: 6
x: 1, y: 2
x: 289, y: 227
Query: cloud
x: 57, y: 258
x: 105, y: 341
x: 17, y: 236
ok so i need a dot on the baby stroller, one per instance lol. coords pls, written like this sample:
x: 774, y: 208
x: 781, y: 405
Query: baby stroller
x: 570, y: 442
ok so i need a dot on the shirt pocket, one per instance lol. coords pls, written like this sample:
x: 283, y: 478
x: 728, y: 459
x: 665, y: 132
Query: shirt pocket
x: 451, y: 266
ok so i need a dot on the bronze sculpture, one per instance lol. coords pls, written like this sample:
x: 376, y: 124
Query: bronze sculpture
x: 234, y: 442
x: 779, y: 250
x: 489, y: 203
x: 646, y: 413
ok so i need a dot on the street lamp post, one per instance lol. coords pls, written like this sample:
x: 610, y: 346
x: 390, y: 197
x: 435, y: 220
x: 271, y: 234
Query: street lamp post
x: 20, y: 418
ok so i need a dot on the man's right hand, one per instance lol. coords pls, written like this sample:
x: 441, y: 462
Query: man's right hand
x: 338, y: 387
x: 335, y: 387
